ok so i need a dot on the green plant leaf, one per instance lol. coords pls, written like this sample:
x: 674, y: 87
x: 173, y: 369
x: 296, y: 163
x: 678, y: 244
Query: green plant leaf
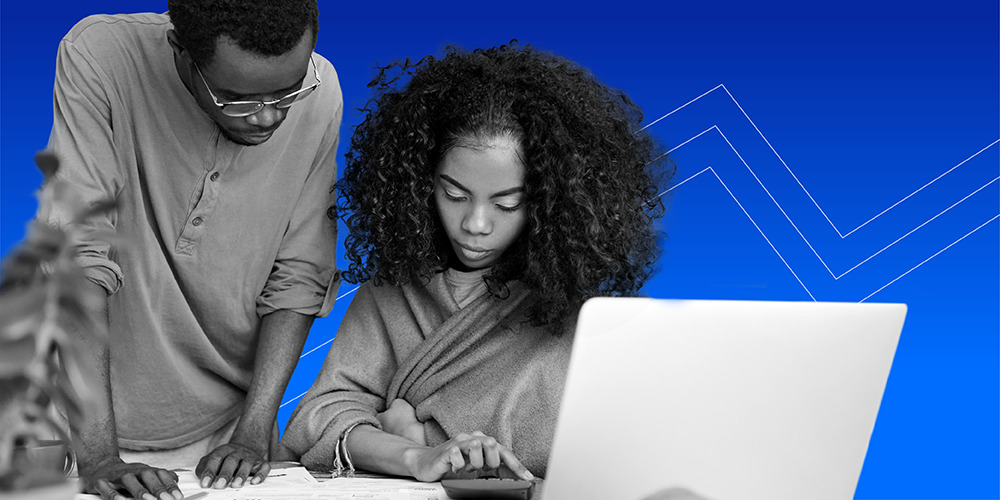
x: 16, y: 355
x: 16, y: 304
x: 47, y: 162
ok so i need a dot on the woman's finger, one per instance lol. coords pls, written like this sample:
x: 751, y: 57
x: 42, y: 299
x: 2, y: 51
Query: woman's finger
x: 473, y: 449
x: 456, y: 459
x: 491, y: 452
x: 513, y: 463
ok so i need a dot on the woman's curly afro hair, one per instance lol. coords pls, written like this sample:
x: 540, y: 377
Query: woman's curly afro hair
x: 591, y: 195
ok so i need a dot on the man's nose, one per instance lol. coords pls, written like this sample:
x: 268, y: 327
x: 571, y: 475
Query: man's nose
x: 268, y: 117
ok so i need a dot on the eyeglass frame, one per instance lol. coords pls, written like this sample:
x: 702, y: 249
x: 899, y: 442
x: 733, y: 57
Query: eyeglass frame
x: 261, y: 104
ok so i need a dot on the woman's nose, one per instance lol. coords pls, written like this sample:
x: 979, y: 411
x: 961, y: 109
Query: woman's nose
x: 478, y: 221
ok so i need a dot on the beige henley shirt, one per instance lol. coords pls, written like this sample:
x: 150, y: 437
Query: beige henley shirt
x: 215, y: 235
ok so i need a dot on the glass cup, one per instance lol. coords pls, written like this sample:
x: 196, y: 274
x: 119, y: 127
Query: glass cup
x: 51, y: 455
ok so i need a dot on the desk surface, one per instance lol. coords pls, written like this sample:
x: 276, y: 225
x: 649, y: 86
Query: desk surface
x: 288, y: 480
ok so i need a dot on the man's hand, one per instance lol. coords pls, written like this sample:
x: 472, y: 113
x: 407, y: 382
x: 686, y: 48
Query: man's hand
x: 465, y: 453
x: 230, y: 465
x: 401, y: 419
x: 282, y: 335
x: 140, y: 480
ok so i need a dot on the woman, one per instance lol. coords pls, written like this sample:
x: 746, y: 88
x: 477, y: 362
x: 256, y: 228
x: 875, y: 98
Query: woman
x: 489, y: 194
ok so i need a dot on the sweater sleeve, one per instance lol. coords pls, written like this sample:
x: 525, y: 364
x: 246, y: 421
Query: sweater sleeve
x: 349, y: 389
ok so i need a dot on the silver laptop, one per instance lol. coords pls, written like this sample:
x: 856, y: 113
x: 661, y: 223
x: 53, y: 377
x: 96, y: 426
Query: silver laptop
x: 733, y: 400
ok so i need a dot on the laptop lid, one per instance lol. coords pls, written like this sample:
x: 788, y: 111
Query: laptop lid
x: 735, y: 400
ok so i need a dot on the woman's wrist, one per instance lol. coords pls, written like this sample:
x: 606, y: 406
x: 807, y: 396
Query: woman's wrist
x: 411, y: 459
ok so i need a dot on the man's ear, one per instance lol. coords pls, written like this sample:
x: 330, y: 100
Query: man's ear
x: 175, y: 43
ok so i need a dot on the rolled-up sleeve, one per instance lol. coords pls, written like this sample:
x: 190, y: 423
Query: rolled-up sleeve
x: 304, y: 278
x: 83, y: 139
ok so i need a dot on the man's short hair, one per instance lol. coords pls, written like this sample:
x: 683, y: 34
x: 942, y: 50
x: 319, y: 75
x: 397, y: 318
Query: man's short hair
x: 265, y: 27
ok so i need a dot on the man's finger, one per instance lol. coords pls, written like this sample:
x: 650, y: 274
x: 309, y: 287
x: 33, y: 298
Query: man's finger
x: 207, y: 468
x: 151, y: 481
x: 169, y: 480
x: 135, y: 488
x: 107, y: 491
x: 226, y: 471
x: 261, y: 473
x: 513, y: 463
x: 242, y: 472
x: 202, y: 464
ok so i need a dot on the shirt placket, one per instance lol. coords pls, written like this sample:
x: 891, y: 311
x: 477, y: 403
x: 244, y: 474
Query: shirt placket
x: 201, y: 210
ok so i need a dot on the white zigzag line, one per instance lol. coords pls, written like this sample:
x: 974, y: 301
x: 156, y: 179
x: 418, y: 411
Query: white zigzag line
x: 293, y: 399
x: 762, y: 233
x: 920, y: 226
x: 331, y: 340
x: 789, y: 219
x: 345, y: 294
x: 752, y: 221
x: 804, y: 287
x: 782, y: 160
x: 780, y: 208
x: 931, y: 257
x: 913, y: 193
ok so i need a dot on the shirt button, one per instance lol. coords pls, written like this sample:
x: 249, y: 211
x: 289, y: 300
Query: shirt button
x: 197, y: 221
x: 215, y: 176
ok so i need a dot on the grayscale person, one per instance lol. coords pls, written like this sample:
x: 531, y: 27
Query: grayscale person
x: 214, y: 128
x: 488, y: 194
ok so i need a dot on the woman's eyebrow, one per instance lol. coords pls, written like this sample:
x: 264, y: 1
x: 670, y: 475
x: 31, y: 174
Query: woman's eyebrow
x: 505, y: 192
x: 453, y: 182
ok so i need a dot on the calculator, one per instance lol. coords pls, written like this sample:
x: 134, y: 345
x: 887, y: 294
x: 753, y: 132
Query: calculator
x: 483, y: 488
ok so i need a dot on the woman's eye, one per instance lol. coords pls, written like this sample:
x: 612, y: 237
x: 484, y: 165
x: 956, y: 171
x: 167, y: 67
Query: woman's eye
x: 509, y: 208
x: 454, y: 197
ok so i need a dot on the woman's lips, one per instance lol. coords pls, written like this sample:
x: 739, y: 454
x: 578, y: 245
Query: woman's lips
x: 473, y: 253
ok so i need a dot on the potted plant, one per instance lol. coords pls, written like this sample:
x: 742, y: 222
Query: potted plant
x: 45, y: 304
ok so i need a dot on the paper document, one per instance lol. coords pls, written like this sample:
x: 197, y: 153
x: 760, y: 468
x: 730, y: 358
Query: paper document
x: 344, y: 488
x: 296, y: 482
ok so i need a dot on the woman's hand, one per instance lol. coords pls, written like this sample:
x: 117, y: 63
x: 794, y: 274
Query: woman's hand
x: 466, y: 453
x: 401, y: 419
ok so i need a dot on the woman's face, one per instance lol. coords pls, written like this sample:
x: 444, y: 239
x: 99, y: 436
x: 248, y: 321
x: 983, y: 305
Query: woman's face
x: 479, y: 193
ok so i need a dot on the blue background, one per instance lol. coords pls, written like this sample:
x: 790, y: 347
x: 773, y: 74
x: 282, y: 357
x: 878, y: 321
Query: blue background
x: 868, y: 106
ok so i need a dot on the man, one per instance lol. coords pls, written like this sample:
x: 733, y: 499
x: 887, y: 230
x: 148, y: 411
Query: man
x: 214, y: 128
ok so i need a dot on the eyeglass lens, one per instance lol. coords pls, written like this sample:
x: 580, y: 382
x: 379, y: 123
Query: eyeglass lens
x: 289, y: 100
x: 249, y: 108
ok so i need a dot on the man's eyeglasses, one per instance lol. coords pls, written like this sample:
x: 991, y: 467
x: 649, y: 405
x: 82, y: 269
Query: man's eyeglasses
x: 238, y: 109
